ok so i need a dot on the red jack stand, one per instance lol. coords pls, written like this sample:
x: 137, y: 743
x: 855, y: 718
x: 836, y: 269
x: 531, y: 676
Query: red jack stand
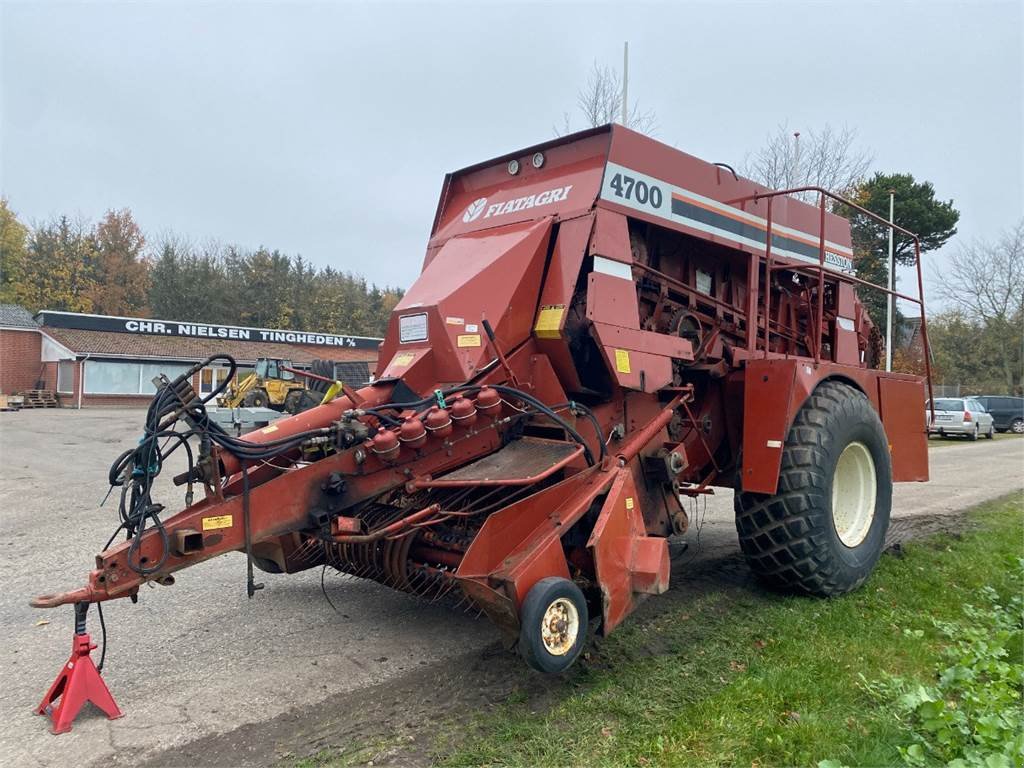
x: 78, y: 682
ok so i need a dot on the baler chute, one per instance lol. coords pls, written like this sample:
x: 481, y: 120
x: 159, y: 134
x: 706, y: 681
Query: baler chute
x: 603, y: 327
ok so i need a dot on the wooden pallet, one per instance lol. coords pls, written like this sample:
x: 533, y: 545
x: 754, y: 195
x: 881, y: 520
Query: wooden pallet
x: 39, y: 398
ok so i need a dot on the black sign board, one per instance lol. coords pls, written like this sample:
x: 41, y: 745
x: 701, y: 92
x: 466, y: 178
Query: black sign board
x: 145, y: 327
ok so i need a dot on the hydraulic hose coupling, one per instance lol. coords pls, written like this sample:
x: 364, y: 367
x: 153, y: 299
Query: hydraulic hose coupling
x: 438, y: 422
x: 463, y: 410
x: 412, y: 432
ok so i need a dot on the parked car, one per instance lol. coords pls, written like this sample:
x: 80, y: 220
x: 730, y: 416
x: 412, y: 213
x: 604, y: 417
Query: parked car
x: 960, y: 416
x: 1008, y: 412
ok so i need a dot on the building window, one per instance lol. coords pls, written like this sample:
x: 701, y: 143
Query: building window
x: 210, y: 379
x: 110, y: 378
x: 152, y: 370
x: 66, y: 377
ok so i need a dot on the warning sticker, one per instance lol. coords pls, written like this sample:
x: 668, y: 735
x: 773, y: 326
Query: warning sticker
x: 549, y: 321
x: 402, y: 359
x: 220, y: 521
x: 622, y: 361
x: 629, y: 502
x: 455, y: 321
x: 469, y: 340
x: 268, y: 430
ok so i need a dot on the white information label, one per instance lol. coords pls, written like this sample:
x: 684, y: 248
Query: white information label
x: 412, y: 328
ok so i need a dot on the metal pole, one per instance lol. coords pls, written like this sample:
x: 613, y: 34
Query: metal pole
x: 795, y: 171
x: 625, y: 84
x: 889, y: 298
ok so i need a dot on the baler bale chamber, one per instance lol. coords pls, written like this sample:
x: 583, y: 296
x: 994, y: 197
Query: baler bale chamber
x: 603, y: 327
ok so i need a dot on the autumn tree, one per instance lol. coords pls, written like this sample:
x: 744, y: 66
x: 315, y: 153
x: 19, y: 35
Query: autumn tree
x: 13, y: 253
x: 58, y: 268
x: 68, y: 264
x: 984, y: 282
x: 263, y: 288
x: 120, y: 270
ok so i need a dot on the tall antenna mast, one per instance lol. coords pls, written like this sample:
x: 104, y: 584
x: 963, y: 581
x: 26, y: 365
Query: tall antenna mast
x: 625, y: 84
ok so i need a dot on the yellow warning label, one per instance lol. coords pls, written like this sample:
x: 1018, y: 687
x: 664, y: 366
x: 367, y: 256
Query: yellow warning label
x: 629, y: 502
x: 549, y: 321
x: 622, y: 361
x: 469, y: 340
x: 402, y: 359
x: 220, y: 521
x: 268, y: 430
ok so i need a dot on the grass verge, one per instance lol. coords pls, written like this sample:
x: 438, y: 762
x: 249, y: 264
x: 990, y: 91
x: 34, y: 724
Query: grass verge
x: 740, y: 676
x: 761, y: 679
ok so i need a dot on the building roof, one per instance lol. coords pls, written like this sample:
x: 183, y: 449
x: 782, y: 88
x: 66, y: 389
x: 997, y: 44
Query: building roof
x: 15, y: 316
x: 188, y: 349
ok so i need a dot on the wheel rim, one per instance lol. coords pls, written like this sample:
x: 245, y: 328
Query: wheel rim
x: 560, y: 627
x: 1018, y: 427
x: 854, y: 487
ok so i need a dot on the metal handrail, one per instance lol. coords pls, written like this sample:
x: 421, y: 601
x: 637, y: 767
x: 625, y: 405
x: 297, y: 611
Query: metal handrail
x: 820, y: 269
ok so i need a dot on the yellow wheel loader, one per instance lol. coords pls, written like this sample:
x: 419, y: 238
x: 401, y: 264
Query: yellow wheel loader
x: 273, y: 384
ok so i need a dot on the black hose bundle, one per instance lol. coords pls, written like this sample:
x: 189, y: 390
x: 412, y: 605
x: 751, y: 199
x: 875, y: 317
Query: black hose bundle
x: 135, y: 470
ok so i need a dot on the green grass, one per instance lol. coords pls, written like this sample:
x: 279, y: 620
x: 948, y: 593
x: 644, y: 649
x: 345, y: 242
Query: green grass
x: 750, y: 678
x: 743, y: 677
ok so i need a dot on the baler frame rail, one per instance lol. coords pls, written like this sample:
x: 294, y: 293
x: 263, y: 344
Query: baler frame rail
x: 819, y: 270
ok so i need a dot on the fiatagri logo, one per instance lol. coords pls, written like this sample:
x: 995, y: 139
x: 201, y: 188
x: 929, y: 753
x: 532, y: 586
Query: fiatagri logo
x: 556, y: 195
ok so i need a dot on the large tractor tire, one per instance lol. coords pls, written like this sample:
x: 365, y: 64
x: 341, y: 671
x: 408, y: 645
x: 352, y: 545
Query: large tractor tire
x: 299, y: 400
x: 824, y: 529
x: 258, y: 398
x: 323, y: 368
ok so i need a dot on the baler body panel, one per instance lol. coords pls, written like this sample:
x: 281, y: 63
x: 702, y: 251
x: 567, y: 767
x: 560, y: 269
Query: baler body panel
x: 492, y: 275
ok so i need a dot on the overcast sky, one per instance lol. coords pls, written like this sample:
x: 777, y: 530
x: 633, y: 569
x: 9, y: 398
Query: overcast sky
x: 325, y: 129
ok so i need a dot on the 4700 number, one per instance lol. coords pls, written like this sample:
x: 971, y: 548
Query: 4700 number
x: 635, y: 189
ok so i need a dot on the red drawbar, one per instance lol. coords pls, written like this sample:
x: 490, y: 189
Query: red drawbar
x: 78, y: 682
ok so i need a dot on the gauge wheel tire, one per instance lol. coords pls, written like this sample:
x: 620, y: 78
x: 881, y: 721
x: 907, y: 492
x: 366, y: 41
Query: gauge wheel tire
x: 257, y: 399
x: 1017, y: 427
x: 974, y: 435
x: 553, y: 625
x: 824, y: 529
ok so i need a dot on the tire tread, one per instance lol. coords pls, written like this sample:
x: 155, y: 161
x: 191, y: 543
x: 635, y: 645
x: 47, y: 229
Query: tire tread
x: 784, y: 536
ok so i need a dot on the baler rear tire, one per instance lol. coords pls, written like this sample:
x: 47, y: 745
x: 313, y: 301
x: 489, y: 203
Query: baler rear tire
x: 562, y: 596
x: 792, y: 539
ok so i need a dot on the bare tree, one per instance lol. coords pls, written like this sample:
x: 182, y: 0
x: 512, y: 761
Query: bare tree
x: 600, y: 102
x: 985, y: 282
x: 825, y: 158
